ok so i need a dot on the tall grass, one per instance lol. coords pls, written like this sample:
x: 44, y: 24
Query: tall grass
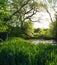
x: 20, y: 52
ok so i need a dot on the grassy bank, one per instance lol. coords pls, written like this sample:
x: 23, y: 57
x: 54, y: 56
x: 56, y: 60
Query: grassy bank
x: 20, y: 52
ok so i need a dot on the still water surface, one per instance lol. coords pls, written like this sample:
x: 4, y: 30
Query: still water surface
x: 36, y: 41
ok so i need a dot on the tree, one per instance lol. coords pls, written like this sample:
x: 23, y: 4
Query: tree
x: 21, y: 11
x: 25, y: 7
x: 28, y: 28
x: 53, y: 25
x: 4, y: 14
x: 50, y: 7
x: 18, y: 11
x: 26, y: 32
x: 53, y: 29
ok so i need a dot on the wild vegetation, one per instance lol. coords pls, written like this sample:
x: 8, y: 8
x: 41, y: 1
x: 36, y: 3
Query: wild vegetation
x: 53, y: 29
x: 42, y: 34
x: 21, y: 52
x: 16, y: 20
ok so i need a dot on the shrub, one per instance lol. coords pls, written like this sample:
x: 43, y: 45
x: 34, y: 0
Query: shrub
x: 3, y: 35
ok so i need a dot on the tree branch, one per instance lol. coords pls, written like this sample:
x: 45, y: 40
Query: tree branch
x: 31, y: 15
x: 28, y: 11
x: 49, y: 15
x: 18, y: 11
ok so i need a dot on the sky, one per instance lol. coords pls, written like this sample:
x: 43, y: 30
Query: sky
x: 44, y: 17
x: 44, y: 20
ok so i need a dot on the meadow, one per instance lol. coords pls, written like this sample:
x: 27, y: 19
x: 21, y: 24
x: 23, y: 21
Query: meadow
x: 18, y: 51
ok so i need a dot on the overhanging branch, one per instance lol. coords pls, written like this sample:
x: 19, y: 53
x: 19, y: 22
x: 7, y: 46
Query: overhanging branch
x: 33, y: 13
x: 18, y: 11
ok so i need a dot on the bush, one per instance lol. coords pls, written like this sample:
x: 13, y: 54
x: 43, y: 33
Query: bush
x: 53, y: 29
x: 21, y: 52
x: 42, y: 34
x: 3, y: 35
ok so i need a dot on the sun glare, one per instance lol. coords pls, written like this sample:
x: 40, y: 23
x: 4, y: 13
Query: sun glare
x: 41, y: 25
x: 44, y: 20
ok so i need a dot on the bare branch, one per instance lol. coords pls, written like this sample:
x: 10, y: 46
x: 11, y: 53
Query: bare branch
x: 33, y: 13
x: 49, y: 14
x: 28, y: 11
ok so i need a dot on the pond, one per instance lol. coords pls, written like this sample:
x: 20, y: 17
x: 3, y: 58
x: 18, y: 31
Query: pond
x: 36, y: 41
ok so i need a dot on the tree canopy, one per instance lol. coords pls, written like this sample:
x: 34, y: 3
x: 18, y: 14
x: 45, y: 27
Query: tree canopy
x: 18, y: 12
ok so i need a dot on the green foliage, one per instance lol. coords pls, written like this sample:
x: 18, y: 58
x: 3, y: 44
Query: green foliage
x: 25, y: 31
x: 2, y: 1
x: 3, y: 28
x: 42, y: 34
x: 53, y: 29
x: 17, y: 10
x: 3, y: 36
x: 4, y: 15
x: 14, y: 31
x: 21, y: 52
x: 28, y: 28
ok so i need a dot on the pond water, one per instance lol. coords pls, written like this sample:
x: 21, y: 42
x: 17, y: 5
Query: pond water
x: 36, y: 41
